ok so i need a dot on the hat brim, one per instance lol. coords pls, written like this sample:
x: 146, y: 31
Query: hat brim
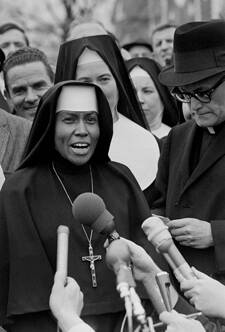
x: 171, y: 78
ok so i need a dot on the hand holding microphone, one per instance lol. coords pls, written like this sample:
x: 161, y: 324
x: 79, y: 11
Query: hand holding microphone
x: 118, y: 258
x: 66, y: 298
x: 146, y: 271
x: 206, y: 294
x: 159, y: 235
x: 89, y: 209
x: 142, y: 264
x: 178, y: 323
x: 66, y: 301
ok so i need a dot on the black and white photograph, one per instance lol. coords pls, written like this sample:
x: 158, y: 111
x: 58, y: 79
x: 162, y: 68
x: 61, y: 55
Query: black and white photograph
x: 112, y: 166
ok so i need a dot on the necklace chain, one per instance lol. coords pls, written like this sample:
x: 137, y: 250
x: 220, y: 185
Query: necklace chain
x: 67, y: 195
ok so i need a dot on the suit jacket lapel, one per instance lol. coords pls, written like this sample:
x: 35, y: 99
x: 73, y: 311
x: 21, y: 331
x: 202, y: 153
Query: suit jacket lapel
x: 4, y: 135
x: 215, y: 151
x: 184, y: 165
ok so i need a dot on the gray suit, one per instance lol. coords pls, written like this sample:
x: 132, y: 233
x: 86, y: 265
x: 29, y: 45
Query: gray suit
x: 14, y: 131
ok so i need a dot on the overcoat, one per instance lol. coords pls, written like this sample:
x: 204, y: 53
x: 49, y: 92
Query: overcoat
x: 14, y: 131
x: 197, y: 193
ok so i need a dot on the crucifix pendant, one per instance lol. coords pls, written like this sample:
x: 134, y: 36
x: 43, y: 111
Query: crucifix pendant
x: 92, y: 258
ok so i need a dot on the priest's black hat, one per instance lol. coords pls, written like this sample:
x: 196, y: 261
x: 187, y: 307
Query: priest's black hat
x: 199, y: 52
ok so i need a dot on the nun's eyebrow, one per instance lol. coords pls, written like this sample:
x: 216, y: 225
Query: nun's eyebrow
x: 67, y: 112
x: 104, y: 74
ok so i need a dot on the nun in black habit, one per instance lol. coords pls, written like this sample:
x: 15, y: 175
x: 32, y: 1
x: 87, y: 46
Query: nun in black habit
x: 106, y: 47
x: 170, y: 115
x: 97, y: 59
x: 66, y: 155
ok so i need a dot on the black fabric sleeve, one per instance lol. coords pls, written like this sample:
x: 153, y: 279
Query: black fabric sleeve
x: 218, y: 234
x: 160, y: 184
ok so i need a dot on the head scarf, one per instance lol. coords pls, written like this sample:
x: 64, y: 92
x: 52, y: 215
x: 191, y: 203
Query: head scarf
x: 170, y: 113
x: 40, y: 146
x: 107, y: 49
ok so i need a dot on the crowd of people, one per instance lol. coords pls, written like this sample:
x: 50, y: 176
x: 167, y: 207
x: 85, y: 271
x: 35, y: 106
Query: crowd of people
x: 141, y: 125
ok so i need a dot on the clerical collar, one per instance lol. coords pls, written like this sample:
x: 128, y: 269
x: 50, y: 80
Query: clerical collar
x: 211, y: 130
x: 216, y: 129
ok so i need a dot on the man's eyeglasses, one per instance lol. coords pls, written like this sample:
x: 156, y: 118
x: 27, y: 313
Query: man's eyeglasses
x: 202, y: 96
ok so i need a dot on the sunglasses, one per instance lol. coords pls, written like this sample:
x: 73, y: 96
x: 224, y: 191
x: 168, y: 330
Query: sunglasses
x: 202, y: 96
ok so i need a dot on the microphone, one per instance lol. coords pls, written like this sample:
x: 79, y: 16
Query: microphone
x: 118, y: 259
x: 163, y: 281
x: 62, y: 249
x: 158, y: 234
x: 89, y: 209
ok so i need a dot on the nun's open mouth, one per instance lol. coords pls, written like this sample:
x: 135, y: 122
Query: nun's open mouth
x: 80, y: 145
x: 80, y: 148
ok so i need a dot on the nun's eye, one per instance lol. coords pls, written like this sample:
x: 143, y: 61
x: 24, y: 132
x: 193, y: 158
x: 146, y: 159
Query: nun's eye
x: 148, y: 91
x: 104, y: 79
x: 92, y: 119
x: 68, y: 119
x: 84, y: 79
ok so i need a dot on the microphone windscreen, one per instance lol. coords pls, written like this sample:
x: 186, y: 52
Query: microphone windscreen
x: 63, y: 229
x: 62, y: 249
x: 89, y: 209
x: 156, y: 231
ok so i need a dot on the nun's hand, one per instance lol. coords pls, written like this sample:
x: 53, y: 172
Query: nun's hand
x: 191, y: 232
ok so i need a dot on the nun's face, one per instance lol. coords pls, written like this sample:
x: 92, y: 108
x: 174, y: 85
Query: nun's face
x: 76, y: 135
x: 148, y: 96
x: 99, y: 73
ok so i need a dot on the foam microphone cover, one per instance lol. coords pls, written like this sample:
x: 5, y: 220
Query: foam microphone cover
x: 89, y: 209
x: 62, y: 249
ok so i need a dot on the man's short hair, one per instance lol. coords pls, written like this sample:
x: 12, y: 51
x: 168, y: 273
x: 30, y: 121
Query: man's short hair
x: 162, y: 27
x: 23, y: 56
x: 13, y: 26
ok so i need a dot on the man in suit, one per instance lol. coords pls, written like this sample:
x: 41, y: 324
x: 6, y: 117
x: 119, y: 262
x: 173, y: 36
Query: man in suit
x: 14, y: 131
x: 162, y: 43
x: 13, y: 135
x: 191, y: 174
x: 12, y: 37
x: 27, y: 76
